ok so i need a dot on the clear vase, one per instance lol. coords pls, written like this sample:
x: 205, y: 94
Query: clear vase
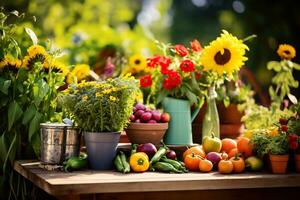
x: 211, y: 122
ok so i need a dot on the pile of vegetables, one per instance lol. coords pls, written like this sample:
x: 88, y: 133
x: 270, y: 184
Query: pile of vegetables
x: 146, y: 157
x: 144, y: 114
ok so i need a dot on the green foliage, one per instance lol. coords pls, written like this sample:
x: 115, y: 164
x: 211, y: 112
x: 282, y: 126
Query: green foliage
x: 283, y: 80
x: 28, y: 91
x: 101, y: 106
x: 294, y: 121
x: 264, y: 143
x: 260, y: 117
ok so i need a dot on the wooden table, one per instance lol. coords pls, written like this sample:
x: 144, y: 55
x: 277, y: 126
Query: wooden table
x: 90, y: 184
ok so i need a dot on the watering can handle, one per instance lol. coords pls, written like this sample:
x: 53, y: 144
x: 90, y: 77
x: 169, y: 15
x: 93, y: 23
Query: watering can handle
x: 195, y: 113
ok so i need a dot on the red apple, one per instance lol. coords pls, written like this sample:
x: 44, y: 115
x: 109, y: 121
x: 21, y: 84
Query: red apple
x: 165, y: 117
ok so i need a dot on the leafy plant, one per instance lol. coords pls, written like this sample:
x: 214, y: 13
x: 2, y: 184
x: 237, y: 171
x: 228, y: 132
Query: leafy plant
x: 264, y: 143
x: 263, y: 117
x: 101, y: 106
x: 28, y: 91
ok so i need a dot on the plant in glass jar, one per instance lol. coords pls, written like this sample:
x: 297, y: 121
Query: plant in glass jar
x: 102, y: 110
x: 221, y: 60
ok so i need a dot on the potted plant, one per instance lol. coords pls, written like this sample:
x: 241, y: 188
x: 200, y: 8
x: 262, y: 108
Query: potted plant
x: 102, y: 110
x: 294, y: 133
x: 233, y: 98
x: 274, y: 146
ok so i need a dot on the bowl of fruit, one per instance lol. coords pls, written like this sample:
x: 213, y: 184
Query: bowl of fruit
x: 147, y: 125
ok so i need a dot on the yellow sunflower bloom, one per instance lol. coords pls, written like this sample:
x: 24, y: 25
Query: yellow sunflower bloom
x: 81, y: 71
x: 286, y: 51
x: 56, y: 66
x: 137, y: 63
x: 10, y: 63
x: 224, y: 55
x: 36, y: 53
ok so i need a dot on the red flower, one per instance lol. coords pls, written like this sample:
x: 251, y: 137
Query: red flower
x: 293, y: 145
x: 172, y: 81
x: 154, y: 61
x: 197, y: 76
x: 284, y: 128
x: 165, y: 70
x: 181, y: 50
x: 293, y: 137
x: 187, y: 66
x: 283, y: 121
x: 164, y: 61
x: 196, y: 46
x: 146, y: 81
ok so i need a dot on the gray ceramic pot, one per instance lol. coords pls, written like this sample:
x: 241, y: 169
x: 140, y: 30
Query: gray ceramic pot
x: 101, y: 149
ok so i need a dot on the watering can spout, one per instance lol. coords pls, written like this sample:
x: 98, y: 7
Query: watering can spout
x: 195, y: 113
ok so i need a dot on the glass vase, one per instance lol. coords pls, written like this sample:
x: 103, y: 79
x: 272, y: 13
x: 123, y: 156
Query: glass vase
x: 211, y: 122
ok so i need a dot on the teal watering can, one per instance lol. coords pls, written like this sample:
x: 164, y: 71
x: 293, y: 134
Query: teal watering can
x: 180, y: 126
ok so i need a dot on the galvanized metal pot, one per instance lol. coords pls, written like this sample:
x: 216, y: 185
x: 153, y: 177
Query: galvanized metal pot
x: 101, y: 149
x: 58, y: 142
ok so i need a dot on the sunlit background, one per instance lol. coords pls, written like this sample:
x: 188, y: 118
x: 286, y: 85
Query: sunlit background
x: 89, y: 30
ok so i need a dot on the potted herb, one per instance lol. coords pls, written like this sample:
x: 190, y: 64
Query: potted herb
x: 275, y: 146
x: 294, y: 133
x: 102, y: 110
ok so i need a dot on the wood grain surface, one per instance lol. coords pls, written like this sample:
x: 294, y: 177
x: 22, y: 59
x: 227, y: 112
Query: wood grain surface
x: 89, y: 181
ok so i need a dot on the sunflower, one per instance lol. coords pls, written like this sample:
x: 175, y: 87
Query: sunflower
x: 286, y: 51
x: 137, y: 63
x: 224, y: 55
x: 56, y: 66
x: 36, y: 53
x: 10, y: 63
x: 80, y: 71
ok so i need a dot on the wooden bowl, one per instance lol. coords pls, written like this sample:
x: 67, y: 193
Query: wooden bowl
x: 141, y: 133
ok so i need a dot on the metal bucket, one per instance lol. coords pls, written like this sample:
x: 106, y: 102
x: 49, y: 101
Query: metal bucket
x: 58, y: 142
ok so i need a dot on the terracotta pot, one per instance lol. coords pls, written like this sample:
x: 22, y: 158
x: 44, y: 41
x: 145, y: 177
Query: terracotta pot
x: 279, y: 163
x: 229, y: 115
x: 297, y: 162
x: 140, y: 133
x: 231, y: 130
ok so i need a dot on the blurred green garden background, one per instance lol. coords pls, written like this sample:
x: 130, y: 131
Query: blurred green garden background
x: 90, y: 30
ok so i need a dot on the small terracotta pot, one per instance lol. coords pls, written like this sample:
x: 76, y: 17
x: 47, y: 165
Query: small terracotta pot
x: 279, y: 163
x: 230, y: 114
x: 297, y: 162
x: 141, y: 133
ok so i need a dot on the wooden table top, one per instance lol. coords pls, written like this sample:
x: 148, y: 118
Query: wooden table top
x: 89, y: 181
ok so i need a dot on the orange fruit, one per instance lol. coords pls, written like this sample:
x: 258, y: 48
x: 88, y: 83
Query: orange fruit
x: 205, y: 165
x: 225, y: 167
x: 192, y: 161
x: 224, y: 155
x: 238, y: 164
x: 197, y: 150
x: 233, y: 152
x: 228, y: 144
x: 244, y: 146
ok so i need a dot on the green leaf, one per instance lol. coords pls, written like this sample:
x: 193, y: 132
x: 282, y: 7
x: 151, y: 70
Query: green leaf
x: 4, y: 85
x: 14, y: 113
x: 28, y: 114
x: 3, y: 148
x: 161, y: 96
x: 31, y: 35
x: 11, y: 151
x: 36, y: 143
x: 40, y: 90
x: 226, y: 101
x: 15, y: 12
x: 274, y: 65
x: 34, y: 125
x: 296, y: 66
x: 192, y: 97
x: 292, y: 98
